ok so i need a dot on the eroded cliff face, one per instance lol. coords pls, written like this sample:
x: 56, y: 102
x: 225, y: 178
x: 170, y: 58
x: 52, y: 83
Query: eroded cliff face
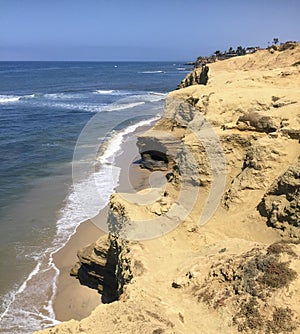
x: 196, y: 77
x: 104, y: 266
x: 223, y: 254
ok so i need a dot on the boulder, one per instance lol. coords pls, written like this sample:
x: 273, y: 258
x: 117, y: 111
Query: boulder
x: 257, y: 122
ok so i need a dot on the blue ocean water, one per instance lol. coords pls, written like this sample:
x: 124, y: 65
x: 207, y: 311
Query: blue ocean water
x: 44, y: 106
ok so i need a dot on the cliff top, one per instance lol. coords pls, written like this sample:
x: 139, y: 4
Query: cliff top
x: 286, y: 55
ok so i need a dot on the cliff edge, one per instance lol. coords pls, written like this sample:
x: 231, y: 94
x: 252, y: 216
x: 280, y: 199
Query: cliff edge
x: 215, y: 247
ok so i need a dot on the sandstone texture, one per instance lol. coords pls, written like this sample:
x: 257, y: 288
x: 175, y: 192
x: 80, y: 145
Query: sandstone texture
x: 196, y: 77
x: 104, y: 266
x: 281, y: 204
x: 215, y: 247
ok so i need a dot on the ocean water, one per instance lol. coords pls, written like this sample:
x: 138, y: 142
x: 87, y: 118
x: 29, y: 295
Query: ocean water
x: 44, y: 107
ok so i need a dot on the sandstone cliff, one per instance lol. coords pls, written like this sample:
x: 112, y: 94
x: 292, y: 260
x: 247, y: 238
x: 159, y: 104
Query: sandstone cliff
x: 104, y: 266
x: 196, y: 77
x: 223, y: 249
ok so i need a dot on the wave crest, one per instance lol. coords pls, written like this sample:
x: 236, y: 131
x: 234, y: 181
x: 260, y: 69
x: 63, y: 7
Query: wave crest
x: 151, y: 72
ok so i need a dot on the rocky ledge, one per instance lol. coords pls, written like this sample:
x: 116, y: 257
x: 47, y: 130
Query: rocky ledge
x: 223, y: 229
x: 104, y: 266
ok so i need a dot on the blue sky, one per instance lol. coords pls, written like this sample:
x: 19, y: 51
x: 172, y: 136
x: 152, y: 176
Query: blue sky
x: 140, y: 30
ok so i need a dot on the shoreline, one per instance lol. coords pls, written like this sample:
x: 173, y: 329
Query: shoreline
x: 38, y: 223
x: 210, y: 277
x: 73, y: 300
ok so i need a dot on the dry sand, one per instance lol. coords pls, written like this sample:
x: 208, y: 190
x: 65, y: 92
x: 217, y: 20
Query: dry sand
x: 73, y: 300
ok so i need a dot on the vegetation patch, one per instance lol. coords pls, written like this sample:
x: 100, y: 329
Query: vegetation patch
x: 250, y: 319
x: 277, y: 275
x: 246, y: 286
x: 249, y: 316
x: 281, y: 247
x: 282, y: 321
x: 158, y: 331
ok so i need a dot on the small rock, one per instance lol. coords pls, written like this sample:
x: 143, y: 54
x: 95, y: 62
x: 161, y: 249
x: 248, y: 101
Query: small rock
x: 156, y: 208
x: 75, y: 269
x: 273, y: 134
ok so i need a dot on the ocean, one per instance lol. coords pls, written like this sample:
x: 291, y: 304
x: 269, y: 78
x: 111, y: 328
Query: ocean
x: 45, y: 107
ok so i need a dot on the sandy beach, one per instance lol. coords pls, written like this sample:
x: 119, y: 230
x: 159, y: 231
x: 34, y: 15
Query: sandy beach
x: 73, y: 300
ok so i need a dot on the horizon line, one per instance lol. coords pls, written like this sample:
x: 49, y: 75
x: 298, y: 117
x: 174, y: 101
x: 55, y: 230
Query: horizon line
x: 97, y: 61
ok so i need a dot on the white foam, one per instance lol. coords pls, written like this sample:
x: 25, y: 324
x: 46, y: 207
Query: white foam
x: 8, y: 299
x: 152, y: 97
x: 106, y: 178
x: 89, y: 107
x: 130, y: 101
x: 105, y: 92
x: 124, y: 103
x: 134, y: 101
x: 48, y: 68
x: 33, y: 273
x: 9, y: 98
x: 49, y: 307
x: 31, y: 96
x: 151, y: 72
x: 61, y: 96
x: 119, y: 106
x: 115, y: 143
x: 14, y: 98
x: 158, y: 94
x: 48, y: 96
x: 19, y: 317
x: 112, y: 92
x: 56, y: 95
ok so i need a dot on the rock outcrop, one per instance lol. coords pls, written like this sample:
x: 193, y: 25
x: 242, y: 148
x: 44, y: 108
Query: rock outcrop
x: 281, y: 204
x: 104, y: 266
x: 201, y: 61
x: 158, y: 150
x: 216, y: 259
x: 196, y: 77
x: 257, y: 122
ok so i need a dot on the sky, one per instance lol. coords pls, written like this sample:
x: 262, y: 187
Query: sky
x: 142, y: 30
